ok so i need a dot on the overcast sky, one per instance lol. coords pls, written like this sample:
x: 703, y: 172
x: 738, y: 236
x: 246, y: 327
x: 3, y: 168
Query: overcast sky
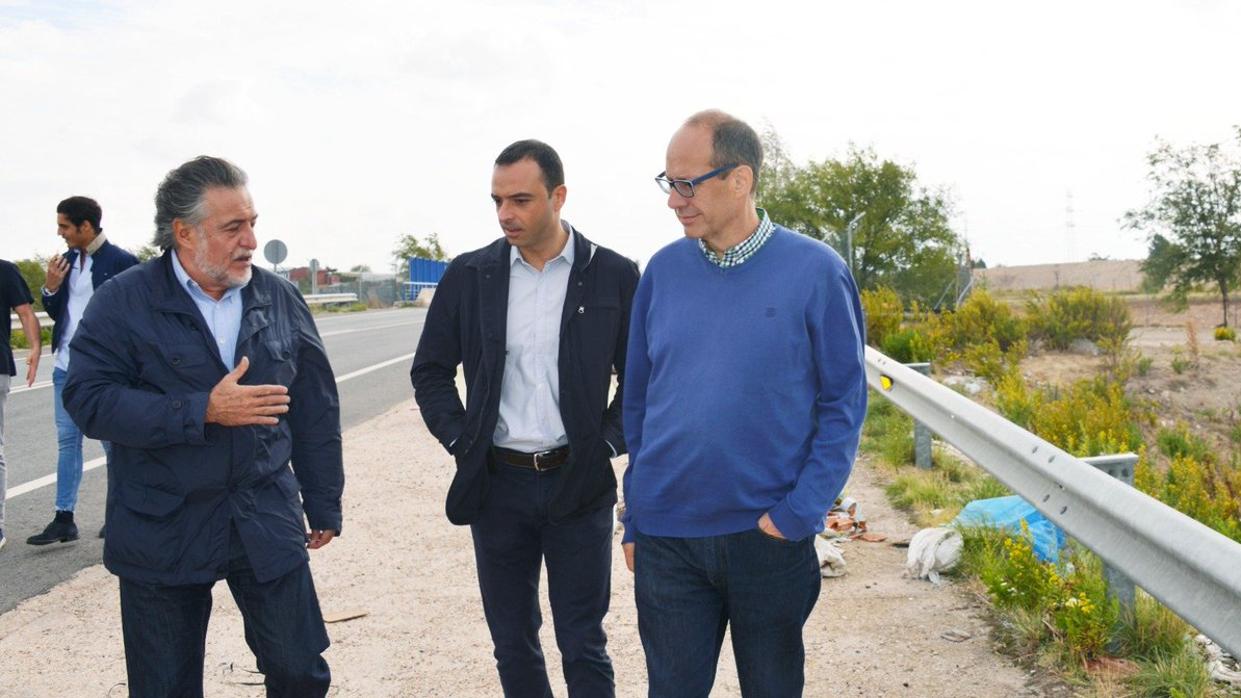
x: 358, y: 122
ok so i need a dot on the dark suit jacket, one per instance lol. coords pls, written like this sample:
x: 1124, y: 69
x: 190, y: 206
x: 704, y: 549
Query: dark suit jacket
x: 466, y: 325
x: 108, y: 261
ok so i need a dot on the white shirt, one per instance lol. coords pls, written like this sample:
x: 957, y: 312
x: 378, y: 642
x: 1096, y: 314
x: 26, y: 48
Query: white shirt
x: 80, y: 289
x: 530, y: 389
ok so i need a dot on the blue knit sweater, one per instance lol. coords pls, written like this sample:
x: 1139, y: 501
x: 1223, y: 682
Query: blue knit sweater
x: 744, y: 390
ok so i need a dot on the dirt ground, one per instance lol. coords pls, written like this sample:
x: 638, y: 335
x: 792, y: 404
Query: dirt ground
x: 873, y: 632
x: 1202, y: 396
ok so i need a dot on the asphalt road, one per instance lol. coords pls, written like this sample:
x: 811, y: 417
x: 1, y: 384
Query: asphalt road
x: 370, y: 353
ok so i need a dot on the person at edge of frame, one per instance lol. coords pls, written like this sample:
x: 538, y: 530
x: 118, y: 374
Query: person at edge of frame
x: 209, y: 378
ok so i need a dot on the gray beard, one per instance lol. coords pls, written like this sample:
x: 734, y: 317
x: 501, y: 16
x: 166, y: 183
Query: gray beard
x: 220, y: 274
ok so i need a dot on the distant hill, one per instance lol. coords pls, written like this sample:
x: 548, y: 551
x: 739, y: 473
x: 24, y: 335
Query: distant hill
x: 1111, y: 276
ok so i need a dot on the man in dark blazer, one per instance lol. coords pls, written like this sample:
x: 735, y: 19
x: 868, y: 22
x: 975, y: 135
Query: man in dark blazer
x: 208, y: 376
x: 72, y: 279
x: 540, y: 320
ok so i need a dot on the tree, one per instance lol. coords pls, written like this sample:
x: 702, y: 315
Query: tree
x: 1193, y: 220
x: 360, y: 268
x: 410, y: 246
x: 34, y: 273
x: 901, y: 235
x: 147, y: 252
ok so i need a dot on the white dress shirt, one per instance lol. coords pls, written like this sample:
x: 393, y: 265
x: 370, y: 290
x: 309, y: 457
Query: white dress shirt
x: 530, y: 389
x: 80, y: 288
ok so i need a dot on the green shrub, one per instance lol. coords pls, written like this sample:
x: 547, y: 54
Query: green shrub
x: 1225, y: 334
x: 908, y: 346
x: 981, y: 318
x: 1076, y: 615
x: 1144, y: 365
x: 1178, y: 675
x: 1179, y: 443
x: 1198, y: 486
x: 1078, y: 313
x: 1152, y: 631
x: 990, y: 362
x: 888, y: 431
x: 1179, y: 362
x: 17, y: 340
x: 884, y: 312
x: 1088, y: 418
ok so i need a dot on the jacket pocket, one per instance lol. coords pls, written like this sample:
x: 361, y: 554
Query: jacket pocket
x: 149, y: 501
x: 280, y: 352
x: 145, y: 531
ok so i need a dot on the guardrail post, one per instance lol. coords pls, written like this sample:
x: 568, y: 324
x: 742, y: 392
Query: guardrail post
x: 1119, y: 466
x: 922, y: 435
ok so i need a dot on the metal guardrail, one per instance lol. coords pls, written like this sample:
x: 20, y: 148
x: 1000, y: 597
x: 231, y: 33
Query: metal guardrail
x: 322, y: 298
x: 16, y: 323
x: 316, y: 299
x: 1191, y: 569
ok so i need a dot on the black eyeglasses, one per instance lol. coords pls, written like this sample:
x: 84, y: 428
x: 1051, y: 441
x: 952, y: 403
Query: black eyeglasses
x: 685, y: 187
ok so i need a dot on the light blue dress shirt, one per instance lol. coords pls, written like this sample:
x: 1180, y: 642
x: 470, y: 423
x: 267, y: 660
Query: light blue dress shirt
x: 530, y: 389
x: 223, y: 317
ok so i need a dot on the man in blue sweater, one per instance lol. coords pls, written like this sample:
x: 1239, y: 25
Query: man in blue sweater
x: 744, y: 398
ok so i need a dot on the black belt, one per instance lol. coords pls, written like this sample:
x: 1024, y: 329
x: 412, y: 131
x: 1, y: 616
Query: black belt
x: 543, y: 460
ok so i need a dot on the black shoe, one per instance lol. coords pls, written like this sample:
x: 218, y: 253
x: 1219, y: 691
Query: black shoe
x: 102, y: 529
x: 62, y: 530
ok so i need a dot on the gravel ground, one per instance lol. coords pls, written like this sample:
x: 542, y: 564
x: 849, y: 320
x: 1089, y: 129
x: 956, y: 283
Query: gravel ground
x: 873, y: 632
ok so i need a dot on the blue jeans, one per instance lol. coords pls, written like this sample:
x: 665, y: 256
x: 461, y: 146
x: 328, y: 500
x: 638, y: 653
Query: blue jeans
x: 69, y: 445
x: 512, y: 537
x: 69, y: 448
x: 165, y: 630
x: 689, y: 590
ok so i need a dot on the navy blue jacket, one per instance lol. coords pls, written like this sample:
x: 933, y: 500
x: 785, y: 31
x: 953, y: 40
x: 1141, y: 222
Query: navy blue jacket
x: 466, y: 324
x: 143, y: 365
x: 108, y: 261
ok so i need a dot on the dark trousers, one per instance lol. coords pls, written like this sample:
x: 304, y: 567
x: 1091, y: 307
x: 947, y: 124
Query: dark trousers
x: 165, y: 630
x: 688, y: 590
x: 512, y: 536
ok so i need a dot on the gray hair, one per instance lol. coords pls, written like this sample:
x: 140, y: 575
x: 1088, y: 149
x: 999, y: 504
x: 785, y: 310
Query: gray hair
x: 732, y: 141
x: 181, y: 194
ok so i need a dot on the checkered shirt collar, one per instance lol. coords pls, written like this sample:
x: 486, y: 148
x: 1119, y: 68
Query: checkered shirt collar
x: 744, y: 250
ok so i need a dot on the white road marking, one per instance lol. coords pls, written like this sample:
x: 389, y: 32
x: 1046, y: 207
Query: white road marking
x: 49, y: 479
x: 36, y: 386
x: 375, y: 367
x: 364, y: 329
x: 46, y: 480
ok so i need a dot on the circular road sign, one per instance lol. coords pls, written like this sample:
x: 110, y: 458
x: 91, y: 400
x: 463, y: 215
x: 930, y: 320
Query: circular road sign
x: 275, y: 251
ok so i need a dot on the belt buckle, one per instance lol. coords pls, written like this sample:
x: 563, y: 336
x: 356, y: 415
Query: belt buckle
x: 536, y: 457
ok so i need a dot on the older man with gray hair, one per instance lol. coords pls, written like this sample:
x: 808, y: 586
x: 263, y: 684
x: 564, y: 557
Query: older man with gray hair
x: 209, y: 378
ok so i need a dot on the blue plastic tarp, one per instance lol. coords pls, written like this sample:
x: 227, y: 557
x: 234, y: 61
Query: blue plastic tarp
x: 1007, y: 513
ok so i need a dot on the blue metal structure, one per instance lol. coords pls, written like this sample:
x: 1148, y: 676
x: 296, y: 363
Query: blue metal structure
x: 423, y: 273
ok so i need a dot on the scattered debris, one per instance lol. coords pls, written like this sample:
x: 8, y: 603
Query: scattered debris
x: 1223, y: 666
x: 1008, y: 513
x: 341, y: 616
x: 954, y: 635
x: 844, y: 519
x: 245, y: 677
x: 831, y: 560
x: 1084, y: 347
x: 1113, y: 667
x: 872, y: 537
x: 967, y: 384
x: 933, y: 550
